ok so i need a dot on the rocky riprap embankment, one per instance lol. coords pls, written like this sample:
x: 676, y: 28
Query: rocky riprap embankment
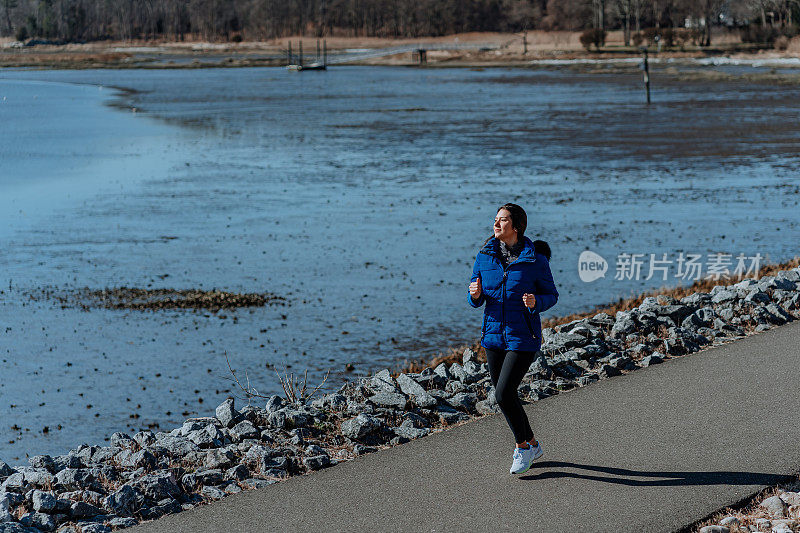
x: 777, y: 512
x: 147, y: 475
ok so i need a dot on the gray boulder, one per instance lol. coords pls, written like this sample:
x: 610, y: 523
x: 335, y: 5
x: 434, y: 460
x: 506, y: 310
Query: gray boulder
x: 361, y: 426
x: 457, y: 371
x: 226, y: 413
x: 158, y: 485
x: 207, y: 437
x: 202, y: 476
x: 125, y: 501
x: 219, y: 458
x: 652, y: 359
x: 144, y: 438
x: 382, y: 382
x: 84, y: 510
x: 415, y: 391
x: 5, y: 470
x: 176, y: 445
x: 317, y: 462
x: 74, y: 479
x: 722, y: 296
x: 442, y: 371
x: 775, y: 507
x: 468, y: 356
x: 42, y: 462
x: 623, y: 326
x: 274, y: 403
x: 463, y: 400
x: 43, y: 502
x: 388, y: 399
x: 122, y: 522
x: 408, y: 431
x: 487, y: 406
x: 714, y: 529
x: 244, y: 430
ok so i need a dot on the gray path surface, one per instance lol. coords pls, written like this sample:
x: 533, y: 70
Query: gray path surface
x: 653, y: 450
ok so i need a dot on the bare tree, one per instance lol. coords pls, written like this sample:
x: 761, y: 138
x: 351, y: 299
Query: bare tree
x: 8, y: 5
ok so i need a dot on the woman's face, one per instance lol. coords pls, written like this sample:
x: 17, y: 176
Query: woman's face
x: 503, y: 228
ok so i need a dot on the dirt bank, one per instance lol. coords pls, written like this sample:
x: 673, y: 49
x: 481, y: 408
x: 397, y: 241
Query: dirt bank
x: 500, y: 49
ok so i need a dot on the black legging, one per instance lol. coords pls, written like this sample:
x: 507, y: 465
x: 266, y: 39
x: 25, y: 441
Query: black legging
x: 507, y: 369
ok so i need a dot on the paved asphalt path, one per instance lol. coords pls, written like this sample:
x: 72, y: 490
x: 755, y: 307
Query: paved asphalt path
x: 653, y: 450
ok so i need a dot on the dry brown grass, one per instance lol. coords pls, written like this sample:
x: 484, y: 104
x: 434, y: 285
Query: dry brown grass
x: 748, y: 511
x: 454, y: 353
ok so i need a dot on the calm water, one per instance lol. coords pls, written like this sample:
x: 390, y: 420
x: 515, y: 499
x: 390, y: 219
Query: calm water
x: 359, y: 194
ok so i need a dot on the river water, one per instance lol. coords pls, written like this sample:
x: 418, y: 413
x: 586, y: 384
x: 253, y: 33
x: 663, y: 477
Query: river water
x: 361, y: 195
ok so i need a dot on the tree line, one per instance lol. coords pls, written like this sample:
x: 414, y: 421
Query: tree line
x: 235, y: 20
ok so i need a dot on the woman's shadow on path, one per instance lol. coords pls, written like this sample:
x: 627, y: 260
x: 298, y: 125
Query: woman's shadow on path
x: 651, y: 478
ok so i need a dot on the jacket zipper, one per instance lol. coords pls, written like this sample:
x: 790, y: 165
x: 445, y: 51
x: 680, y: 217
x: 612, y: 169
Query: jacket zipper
x: 503, y: 305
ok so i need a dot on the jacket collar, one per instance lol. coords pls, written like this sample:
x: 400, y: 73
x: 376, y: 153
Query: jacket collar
x: 493, y: 248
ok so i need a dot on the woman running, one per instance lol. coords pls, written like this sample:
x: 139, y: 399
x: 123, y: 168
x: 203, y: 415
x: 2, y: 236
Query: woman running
x: 512, y: 277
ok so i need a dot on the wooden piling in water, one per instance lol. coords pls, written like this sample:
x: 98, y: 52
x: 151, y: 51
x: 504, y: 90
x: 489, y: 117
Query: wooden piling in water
x: 646, y: 69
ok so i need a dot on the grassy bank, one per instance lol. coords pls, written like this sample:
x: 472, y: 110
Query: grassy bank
x: 506, y: 49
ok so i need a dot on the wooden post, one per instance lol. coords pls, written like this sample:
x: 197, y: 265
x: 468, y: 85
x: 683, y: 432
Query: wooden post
x: 289, y: 53
x: 525, y: 43
x: 318, y: 56
x: 646, y: 69
x: 300, y: 47
x: 423, y: 56
x: 325, y: 53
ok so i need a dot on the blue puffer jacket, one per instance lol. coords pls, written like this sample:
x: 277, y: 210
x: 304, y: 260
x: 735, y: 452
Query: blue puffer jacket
x: 507, y: 323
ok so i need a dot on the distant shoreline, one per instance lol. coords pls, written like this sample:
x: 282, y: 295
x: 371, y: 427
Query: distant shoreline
x: 502, y: 50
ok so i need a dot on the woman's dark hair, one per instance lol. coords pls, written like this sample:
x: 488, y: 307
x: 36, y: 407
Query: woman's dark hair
x: 519, y: 220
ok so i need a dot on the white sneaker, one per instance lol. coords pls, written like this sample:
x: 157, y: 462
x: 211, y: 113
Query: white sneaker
x: 524, y: 457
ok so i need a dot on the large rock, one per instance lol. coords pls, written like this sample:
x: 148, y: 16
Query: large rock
x: 125, y: 501
x: 316, y: 462
x: 389, y: 399
x: 722, y: 296
x: 226, y: 413
x: 623, y: 326
x: 203, y: 476
x: 207, y: 437
x: 74, y: 479
x: 408, y: 431
x: 463, y: 400
x: 244, y: 430
x: 415, y: 391
x: 333, y: 401
x: 382, y: 382
x: 43, y: 502
x: 158, y: 485
x: 296, y: 416
x: 274, y: 403
x: 142, y: 458
x: 42, y: 462
x: 565, y: 341
x: 774, y: 506
x: 5, y: 470
x: 714, y: 529
x: 219, y: 458
x: 442, y: 371
x: 84, y: 510
x: 361, y: 426
x: 457, y: 371
x: 176, y: 445
x: 469, y: 355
